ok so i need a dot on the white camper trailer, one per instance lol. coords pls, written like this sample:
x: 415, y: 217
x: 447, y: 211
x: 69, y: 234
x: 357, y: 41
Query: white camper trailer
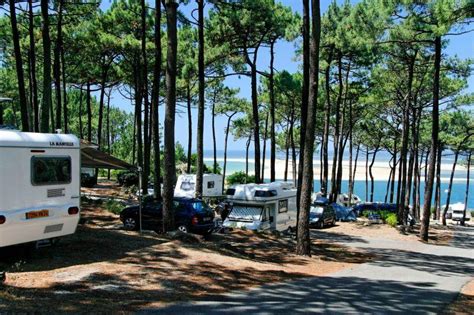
x: 211, y: 186
x: 456, y: 212
x: 39, y: 186
x: 262, y: 207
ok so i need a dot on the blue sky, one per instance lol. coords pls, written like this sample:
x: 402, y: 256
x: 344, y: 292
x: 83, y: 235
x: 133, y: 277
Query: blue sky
x: 461, y: 46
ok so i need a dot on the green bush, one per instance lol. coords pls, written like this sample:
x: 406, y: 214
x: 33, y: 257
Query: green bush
x: 113, y: 206
x: 391, y: 219
x: 240, y: 178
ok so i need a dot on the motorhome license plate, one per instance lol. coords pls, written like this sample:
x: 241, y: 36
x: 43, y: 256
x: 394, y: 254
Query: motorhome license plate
x: 207, y: 219
x: 37, y: 214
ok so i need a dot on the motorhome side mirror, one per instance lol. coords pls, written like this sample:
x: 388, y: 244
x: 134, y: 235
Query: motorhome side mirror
x: 271, y: 219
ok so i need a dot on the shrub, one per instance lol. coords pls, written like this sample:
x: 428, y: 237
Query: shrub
x: 113, y: 206
x: 128, y: 178
x: 240, y: 178
x: 391, y: 219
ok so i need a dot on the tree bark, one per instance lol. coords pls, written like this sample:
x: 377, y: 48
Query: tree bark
x: 303, y: 243
x: 264, y: 153
x: 450, y: 187
x: 372, y: 176
x: 57, y: 65
x: 34, y: 82
x: 466, y: 195
x: 47, y: 93
x: 190, y: 128
x: 256, y: 120
x: 227, y: 130
x: 81, y: 131
x: 327, y: 121
x: 169, y: 173
x: 156, y: 102
x: 19, y: 69
x: 200, y: 126
x: 146, y: 104
x: 438, y: 184
x: 272, y: 115
x: 214, y: 141
x: 425, y: 222
x: 89, y: 112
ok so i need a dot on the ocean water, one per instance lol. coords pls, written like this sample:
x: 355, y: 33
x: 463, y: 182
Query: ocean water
x: 235, y: 164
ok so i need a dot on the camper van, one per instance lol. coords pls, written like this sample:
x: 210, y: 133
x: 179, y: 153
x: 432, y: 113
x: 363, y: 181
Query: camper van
x: 211, y: 186
x: 39, y: 186
x: 262, y: 207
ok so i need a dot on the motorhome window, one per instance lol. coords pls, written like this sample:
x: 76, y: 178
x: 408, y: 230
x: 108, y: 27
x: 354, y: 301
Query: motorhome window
x: 230, y: 192
x: 210, y: 185
x: 187, y: 186
x: 265, y: 193
x: 46, y: 170
x: 283, y: 206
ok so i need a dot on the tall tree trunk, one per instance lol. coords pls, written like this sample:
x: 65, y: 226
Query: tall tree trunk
x: 466, y: 195
x: 109, y: 151
x: 81, y: 127
x: 372, y: 176
x: 227, y: 131
x: 169, y: 173
x: 272, y: 114
x: 138, y: 111
x: 450, y: 187
x: 19, y: 69
x: 156, y: 102
x: 264, y: 153
x: 304, y: 96
x: 388, y: 183
x: 437, y: 198
x: 47, y: 93
x: 287, y: 155
x: 425, y: 222
x: 255, y: 119
x: 333, y: 194
x: 395, y: 161
x: 57, y: 65
x: 89, y: 112
x: 402, y: 186
x: 303, y: 242
x: 214, y: 141
x: 200, y: 126
x: 327, y: 121
x: 247, y: 158
x: 351, y: 187
x: 367, y: 174
x: 64, y: 92
x: 103, y: 81
x: 351, y: 179
x: 146, y: 104
x: 293, y: 154
x: 34, y: 82
x: 190, y: 128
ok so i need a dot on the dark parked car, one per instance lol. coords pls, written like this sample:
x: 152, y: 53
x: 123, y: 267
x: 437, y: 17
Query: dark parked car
x: 191, y: 215
x: 375, y: 207
x: 321, y: 215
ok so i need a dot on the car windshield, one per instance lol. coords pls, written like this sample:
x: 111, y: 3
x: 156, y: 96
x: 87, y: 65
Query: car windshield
x: 200, y: 206
x: 317, y: 210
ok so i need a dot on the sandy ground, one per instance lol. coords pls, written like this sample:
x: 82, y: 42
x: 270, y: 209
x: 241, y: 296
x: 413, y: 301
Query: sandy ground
x: 464, y: 304
x: 103, y: 267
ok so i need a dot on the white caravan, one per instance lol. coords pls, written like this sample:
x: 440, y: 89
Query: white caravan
x: 262, y: 207
x: 211, y: 186
x: 456, y: 212
x: 343, y: 199
x: 39, y: 186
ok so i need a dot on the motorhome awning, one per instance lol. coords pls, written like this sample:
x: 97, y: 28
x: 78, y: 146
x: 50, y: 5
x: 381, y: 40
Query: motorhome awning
x: 93, y: 158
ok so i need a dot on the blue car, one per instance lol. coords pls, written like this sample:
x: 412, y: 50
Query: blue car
x: 191, y: 216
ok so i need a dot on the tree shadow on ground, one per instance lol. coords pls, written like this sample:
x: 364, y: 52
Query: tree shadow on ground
x: 325, y: 295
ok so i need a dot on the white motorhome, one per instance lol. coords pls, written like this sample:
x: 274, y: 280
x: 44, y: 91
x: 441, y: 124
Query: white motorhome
x: 186, y: 186
x: 39, y: 186
x: 262, y: 207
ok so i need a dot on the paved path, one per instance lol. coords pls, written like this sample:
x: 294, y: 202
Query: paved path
x: 416, y: 279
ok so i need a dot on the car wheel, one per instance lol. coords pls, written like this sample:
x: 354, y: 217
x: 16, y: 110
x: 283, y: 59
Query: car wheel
x: 183, y: 228
x: 130, y: 224
x: 333, y: 223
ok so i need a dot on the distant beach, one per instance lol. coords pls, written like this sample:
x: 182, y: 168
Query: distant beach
x: 380, y: 170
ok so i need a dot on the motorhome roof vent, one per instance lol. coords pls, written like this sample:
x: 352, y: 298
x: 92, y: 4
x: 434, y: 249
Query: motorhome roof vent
x: 266, y: 193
